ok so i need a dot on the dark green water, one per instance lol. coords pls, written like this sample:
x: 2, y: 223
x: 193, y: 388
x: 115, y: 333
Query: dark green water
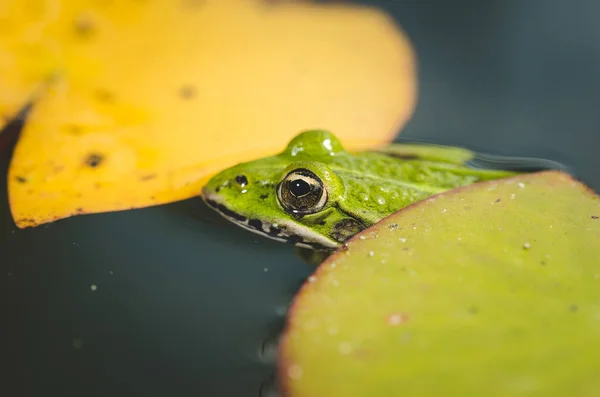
x: 184, y: 300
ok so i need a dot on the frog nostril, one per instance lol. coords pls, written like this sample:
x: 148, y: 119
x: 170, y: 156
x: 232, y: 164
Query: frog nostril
x: 241, y: 180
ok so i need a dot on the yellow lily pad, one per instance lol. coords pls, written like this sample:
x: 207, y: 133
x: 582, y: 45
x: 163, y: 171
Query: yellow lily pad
x: 138, y: 103
x: 487, y: 290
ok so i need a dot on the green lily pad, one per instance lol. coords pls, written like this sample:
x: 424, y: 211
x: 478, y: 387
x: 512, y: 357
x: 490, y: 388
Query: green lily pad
x: 487, y: 290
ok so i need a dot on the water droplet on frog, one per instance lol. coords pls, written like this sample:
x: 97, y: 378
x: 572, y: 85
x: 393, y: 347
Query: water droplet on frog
x: 381, y: 200
x: 371, y: 253
x: 521, y: 185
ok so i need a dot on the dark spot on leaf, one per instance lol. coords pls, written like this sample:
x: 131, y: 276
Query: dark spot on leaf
x: 94, y: 160
x: 74, y: 129
x: 97, y: 185
x: 147, y: 177
x: 264, y: 196
x: 104, y: 95
x: 573, y: 308
x: 187, y: 92
x: 27, y: 222
x: 21, y: 179
x: 217, y: 189
x: 473, y: 309
x: 152, y: 197
x: 543, y: 263
x: 405, y: 249
x: 498, y: 200
x: 594, y: 216
x: 79, y: 210
x: 322, y: 223
x: 393, y: 226
x: 84, y: 26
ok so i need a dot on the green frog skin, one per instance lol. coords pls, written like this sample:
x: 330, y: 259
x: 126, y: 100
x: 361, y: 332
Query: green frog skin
x: 316, y: 195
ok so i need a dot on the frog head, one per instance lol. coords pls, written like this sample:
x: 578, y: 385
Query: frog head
x: 292, y: 197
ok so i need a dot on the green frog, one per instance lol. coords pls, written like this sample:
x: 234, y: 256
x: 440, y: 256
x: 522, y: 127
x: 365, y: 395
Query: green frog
x: 316, y: 195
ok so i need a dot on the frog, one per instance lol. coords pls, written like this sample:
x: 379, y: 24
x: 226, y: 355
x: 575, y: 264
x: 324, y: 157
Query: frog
x: 316, y: 195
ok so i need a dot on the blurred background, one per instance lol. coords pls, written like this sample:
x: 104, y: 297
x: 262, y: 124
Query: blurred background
x: 173, y: 300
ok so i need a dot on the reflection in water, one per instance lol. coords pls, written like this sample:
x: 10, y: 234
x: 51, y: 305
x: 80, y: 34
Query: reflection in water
x: 267, y: 352
x: 269, y: 388
x: 519, y: 164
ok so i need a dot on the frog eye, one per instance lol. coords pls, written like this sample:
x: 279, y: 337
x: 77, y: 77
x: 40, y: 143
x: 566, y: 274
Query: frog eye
x: 302, y: 192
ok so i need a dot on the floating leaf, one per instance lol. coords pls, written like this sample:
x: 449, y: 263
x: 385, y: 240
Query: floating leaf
x: 487, y: 290
x: 138, y: 103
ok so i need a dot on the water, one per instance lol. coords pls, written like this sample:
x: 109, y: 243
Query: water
x: 182, y: 303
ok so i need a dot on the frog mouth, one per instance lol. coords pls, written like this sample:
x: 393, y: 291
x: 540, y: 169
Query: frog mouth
x: 285, y: 231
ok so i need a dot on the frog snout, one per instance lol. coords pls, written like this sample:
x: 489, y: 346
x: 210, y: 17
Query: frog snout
x: 237, y: 182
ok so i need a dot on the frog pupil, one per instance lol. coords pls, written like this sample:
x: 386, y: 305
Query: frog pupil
x: 299, y: 187
x: 301, y: 192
